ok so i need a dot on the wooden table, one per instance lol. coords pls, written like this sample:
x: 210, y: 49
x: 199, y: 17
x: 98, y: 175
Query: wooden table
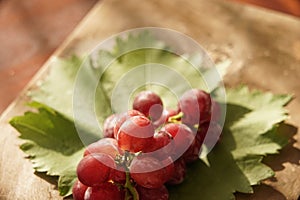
x: 264, y: 48
x: 286, y: 6
x: 30, y: 31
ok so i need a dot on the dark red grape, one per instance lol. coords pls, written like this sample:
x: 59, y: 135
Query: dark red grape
x: 123, y: 117
x: 149, y: 172
x: 183, y: 137
x: 153, y: 194
x: 169, y: 167
x: 208, y: 133
x: 118, y: 175
x: 163, y: 119
x: 202, y: 131
x: 135, y: 134
x: 148, y: 103
x: 109, y: 126
x: 78, y: 190
x: 162, y: 146
x: 213, y: 135
x: 196, y: 107
x: 192, y: 154
x: 105, y: 191
x: 106, y: 145
x: 179, y: 172
x: 94, y: 169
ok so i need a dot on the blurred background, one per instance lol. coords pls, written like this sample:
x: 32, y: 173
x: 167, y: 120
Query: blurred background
x: 31, y: 30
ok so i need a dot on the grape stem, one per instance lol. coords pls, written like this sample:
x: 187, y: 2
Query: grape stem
x: 128, y: 184
x: 132, y: 190
x: 176, y: 118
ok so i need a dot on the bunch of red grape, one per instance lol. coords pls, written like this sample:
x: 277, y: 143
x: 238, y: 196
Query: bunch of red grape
x: 147, y: 148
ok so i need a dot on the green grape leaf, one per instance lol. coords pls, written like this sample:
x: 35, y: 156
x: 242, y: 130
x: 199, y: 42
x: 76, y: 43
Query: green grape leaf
x: 56, y: 90
x: 52, y: 144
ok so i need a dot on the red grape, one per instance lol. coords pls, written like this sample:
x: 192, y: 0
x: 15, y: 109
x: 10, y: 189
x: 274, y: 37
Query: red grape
x: 123, y: 117
x: 118, y: 175
x: 196, y: 107
x: 162, y: 146
x: 169, y: 166
x: 183, y: 137
x: 149, y: 172
x: 105, y: 191
x: 153, y: 194
x: 78, y: 190
x: 94, y: 169
x: 148, y: 103
x: 179, y: 172
x: 192, y: 154
x: 135, y: 134
x: 106, y: 145
x: 202, y: 131
x: 208, y: 133
x: 109, y: 125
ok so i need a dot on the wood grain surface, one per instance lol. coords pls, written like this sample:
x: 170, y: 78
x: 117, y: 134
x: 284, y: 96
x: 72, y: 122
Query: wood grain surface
x: 30, y: 32
x: 264, y: 49
x: 287, y: 6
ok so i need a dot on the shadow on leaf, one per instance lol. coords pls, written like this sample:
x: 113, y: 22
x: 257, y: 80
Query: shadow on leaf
x: 289, y: 153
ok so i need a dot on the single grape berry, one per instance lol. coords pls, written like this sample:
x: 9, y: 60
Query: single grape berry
x: 162, y: 146
x: 149, y: 172
x: 169, y: 167
x: 153, y: 194
x: 183, y: 138
x: 78, y: 190
x: 105, y: 191
x: 118, y: 175
x: 196, y: 107
x: 109, y: 125
x: 122, y: 118
x: 179, y: 172
x: 94, y: 169
x: 135, y: 134
x: 202, y: 131
x: 107, y: 146
x: 148, y: 103
x: 192, y: 154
